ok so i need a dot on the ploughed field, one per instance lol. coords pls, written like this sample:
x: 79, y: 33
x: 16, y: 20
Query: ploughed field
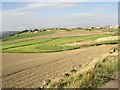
x: 28, y: 61
x: 30, y: 70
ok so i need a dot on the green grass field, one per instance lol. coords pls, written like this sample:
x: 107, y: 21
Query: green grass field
x: 47, y: 45
x: 26, y: 35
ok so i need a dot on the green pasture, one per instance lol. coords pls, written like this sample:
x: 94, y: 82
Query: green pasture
x: 47, y: 45
x: 26, y: 35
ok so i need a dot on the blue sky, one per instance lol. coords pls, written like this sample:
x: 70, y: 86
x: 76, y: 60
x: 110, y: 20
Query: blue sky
x: 26, y: 15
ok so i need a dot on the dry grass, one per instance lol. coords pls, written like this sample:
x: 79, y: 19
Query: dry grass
x: 107, y: 39
x: 95, y: 73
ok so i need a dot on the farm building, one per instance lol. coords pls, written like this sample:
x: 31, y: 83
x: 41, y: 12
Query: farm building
x: 111, y: 26
x: 98, y: 27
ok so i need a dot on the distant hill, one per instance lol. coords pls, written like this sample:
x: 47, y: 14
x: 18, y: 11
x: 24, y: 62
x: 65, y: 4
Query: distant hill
x: 8, y: 33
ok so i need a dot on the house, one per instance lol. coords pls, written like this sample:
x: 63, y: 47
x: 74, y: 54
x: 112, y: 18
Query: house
x: 35, y: 31
x: 48, y: 30
x: 111, y: 26
x: 89, y: 28
x: 108, y: 27
x: 98, y: 27
x: 116, y: 26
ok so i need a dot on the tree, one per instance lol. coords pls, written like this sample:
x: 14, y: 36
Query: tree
x: 36, y: 29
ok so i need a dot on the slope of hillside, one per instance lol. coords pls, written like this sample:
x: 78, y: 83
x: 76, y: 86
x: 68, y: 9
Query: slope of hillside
x: 96, y: 73
x: 49, y: 45
x: 8, y: 33
x: 31, y: 69
x: 28, y: 61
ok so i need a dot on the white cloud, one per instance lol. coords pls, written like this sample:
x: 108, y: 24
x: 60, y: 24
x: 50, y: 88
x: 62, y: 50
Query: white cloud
x: 43, y: 0
x: 14, y: 12
x: 39, y: 5
x: 21, y: 18
x: 27, y: 8
x: 64, y: 0
x: 68, y: 20
x: 60, y: 0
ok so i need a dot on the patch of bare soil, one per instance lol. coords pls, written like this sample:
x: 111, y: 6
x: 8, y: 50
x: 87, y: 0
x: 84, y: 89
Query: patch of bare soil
x: 87, y: 42
x: 107, y: 39
x: 84, y: 42
x: 30, y: 69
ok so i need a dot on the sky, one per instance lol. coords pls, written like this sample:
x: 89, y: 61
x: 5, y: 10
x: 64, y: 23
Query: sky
x: 18, y: 16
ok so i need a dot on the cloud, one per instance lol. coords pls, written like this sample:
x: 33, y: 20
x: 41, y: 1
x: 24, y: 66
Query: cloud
x: 14, y: 12
x: 43, y: 0
x: 30, y: 7
x: 68, y: 20
x: 64, y: 0
x: 60, y: 0
x: 29, y: 16
x: 39, y: 5
x: 86, y: 17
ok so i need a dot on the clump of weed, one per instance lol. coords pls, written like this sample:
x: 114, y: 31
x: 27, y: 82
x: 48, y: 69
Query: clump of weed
x: 73, y: 70
x: 66, y: 74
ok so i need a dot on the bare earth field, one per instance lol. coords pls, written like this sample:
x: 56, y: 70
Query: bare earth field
x: 30, y: 69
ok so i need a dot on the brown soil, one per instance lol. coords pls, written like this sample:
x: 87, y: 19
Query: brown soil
x: 107, y: 39
x: 84, y: 42
x: 30, y: 69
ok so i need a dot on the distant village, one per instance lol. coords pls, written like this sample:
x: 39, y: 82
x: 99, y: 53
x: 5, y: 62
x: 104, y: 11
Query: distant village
x: 69, y: 29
